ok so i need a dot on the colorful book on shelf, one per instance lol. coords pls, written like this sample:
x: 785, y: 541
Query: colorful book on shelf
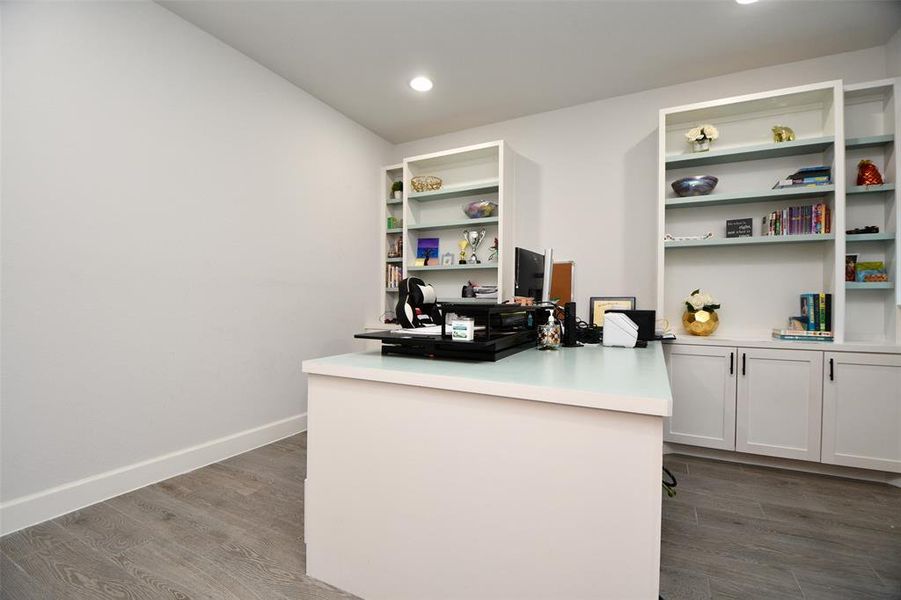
x: 799, y: 220
x: 817, y: 308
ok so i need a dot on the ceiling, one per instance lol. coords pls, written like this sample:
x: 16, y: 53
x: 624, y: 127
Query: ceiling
x: 496, y: 60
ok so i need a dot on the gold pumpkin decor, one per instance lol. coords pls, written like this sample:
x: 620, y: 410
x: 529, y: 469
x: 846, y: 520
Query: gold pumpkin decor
x: 700, y: 316
x: 426, y: 183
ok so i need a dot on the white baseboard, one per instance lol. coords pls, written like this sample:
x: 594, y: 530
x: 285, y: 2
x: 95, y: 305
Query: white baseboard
x: 893, y: 479
x: 25, y: 511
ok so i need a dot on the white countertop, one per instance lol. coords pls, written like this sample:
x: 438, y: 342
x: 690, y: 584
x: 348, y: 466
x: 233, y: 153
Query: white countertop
x: 620, y: 379
x: 769, y: 342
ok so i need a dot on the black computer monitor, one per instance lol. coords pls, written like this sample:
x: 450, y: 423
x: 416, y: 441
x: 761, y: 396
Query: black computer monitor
x: 531, y: 271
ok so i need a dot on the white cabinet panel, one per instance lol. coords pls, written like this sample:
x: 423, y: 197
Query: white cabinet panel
x: 703, y: 385
x: 779, y: 403
x: 862, y: 411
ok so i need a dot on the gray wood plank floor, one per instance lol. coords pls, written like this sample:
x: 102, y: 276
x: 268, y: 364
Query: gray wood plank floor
x: 234, y: 531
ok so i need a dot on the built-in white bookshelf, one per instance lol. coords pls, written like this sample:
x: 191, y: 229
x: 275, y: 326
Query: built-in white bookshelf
x: 759, y: 279
x: 872, y: 114
x: 471, y: 173
x: 390, y: 236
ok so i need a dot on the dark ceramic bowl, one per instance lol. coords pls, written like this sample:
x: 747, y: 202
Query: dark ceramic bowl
x: 695, y: 186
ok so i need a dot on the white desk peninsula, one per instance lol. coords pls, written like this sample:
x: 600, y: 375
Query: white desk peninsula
x: 537, y: 476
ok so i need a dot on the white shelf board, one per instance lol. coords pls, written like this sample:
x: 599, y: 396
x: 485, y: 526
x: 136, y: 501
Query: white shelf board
x: 755, y: 152
x: 749, y: 197
x: 457, y: 191
x: 395, y: 230
x: 884, y: 236
x: 870, y: 189
x: 390, y: 290
x: 465, y: 267
x: 458, y: 224
x: 869, y: 141
x: 394, y: 260
x: 869, y: 285
x: 394, y: 201
x: 760, y: 239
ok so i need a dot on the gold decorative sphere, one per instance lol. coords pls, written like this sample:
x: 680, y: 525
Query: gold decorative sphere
x: 701, y: 322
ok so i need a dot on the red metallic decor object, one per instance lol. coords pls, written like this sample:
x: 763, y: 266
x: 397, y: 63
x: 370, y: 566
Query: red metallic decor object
x: 868, y: 174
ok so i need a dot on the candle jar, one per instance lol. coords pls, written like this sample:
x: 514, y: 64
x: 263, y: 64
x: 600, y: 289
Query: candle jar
x: 549, y: 335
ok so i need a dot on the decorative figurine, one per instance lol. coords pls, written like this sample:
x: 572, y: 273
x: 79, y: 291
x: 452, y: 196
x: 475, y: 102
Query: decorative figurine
x: 493, y: 256
x: 474, y: 238
x: 462, y: 245
x: 868, y: 174
x: 701, y: 136
x: 781, y: 133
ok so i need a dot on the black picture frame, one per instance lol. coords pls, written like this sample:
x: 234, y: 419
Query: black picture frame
x: 616, y: 302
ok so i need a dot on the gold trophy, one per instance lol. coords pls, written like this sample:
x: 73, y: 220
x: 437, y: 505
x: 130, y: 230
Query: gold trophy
x: 462, y: 245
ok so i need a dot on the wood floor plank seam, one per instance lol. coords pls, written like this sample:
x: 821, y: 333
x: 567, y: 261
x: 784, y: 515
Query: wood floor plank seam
x: 205, y: 559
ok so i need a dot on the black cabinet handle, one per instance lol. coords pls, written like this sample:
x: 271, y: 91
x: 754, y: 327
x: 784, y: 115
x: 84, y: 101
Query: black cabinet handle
x: 831, y: 370
x: 744, y: 365
x: 732, y: 363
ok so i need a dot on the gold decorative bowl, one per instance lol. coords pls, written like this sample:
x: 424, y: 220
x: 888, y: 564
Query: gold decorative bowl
x: 425, y: 183
x: 702, y: 322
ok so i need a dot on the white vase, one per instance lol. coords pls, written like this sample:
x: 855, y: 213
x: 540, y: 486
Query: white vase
x: 398, y: 195
x: 701, y: 145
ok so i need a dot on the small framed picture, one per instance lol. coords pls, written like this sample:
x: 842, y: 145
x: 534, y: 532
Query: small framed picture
x: 447, y: 259
x: 598, y: 305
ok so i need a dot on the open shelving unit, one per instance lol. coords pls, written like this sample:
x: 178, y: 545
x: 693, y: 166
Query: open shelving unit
x: 871, y: 114
x: 759, y: 279
x: 391, y: 207
x: 479, y: 172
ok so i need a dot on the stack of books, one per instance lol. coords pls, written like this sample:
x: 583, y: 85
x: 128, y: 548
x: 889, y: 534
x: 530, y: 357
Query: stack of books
x: 814, y: 323
x: 393, y: 277
x: 799, y: 220
x: 806, y: 177
x: 485, y: 291
x: 798, y: 335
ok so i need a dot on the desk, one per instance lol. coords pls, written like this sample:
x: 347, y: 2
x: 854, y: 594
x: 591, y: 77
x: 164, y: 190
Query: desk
x: 537, y: 476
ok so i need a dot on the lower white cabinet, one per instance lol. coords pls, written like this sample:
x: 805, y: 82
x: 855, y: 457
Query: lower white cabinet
x: 779, y: 403
x: 862, y: 410
x: 702, y: 379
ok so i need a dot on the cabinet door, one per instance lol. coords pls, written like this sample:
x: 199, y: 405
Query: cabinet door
x: 779, y: 407
x: 703, y: 383
x: 862, y: 411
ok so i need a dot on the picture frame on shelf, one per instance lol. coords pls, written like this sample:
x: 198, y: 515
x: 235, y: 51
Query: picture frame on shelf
x: 598, y: 305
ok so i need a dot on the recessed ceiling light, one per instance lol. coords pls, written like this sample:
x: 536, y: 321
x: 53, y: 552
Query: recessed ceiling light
x: 421, y: 84
x: 746, y: 1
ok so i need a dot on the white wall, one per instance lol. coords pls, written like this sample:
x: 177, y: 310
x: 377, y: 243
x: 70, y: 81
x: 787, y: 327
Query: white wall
x: 180, y: 228
x: 893, y: 55
x: 593, y: 169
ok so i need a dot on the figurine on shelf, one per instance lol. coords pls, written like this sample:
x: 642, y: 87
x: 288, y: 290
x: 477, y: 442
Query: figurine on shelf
x: 868, y: 173
x: 781, y: 133
x: 492, y: 257
x: 462, y: 245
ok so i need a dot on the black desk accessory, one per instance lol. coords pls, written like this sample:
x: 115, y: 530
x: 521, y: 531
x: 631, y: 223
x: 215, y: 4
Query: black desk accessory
x: 570, y: 328
x: 501, y: 330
